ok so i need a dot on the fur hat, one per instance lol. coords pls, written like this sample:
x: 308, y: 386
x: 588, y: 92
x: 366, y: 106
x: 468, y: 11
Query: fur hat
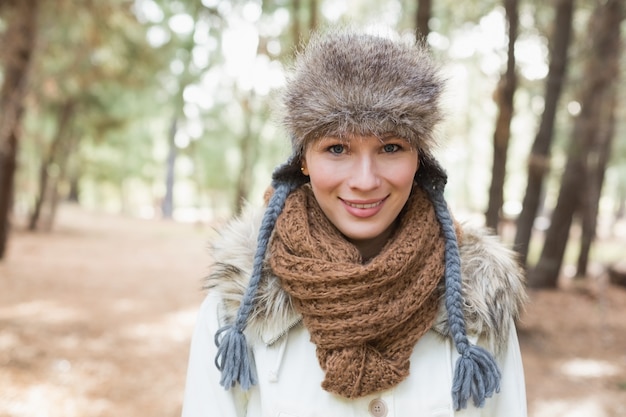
x: 349, y: 82
x: 352, y: 83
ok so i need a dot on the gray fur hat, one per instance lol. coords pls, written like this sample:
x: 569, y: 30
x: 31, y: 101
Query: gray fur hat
x: 344, y: 83
x: 349, y: 82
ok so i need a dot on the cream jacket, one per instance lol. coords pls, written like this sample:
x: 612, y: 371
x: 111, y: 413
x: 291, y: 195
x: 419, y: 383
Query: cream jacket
x: 289, y: 375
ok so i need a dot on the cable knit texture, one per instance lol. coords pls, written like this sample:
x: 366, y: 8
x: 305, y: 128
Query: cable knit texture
x: 364, y: 318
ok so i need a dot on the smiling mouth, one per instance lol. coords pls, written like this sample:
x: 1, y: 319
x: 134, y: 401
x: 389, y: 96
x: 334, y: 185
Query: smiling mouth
x: 364, y: 206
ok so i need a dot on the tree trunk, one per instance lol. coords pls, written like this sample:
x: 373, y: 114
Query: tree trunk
x: 62, y: 161
x: 617, y: 273
x: 504, y: 98
x: 184, y: 80
x: 546, y: 272
x: 600, y: 79
x: 65, y: 116
x: 296, y: 30
x: 596, y: 169
x: 248, y: 151
x: 422, y: 17
x: 539, y: 159
x: 17, y: 53
x: 167, y: 205
x: 620, y: 206
x: 313, y: 16
x: 8, y: 156
x: 600, y: 146
x: 73, y: 195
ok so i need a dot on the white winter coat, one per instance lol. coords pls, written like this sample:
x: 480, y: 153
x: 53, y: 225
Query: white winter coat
x: 289, y: 375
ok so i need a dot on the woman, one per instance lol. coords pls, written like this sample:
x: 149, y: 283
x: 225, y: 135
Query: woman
x: 353, y: 292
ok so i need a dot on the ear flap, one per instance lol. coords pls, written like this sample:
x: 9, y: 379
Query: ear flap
x: 290, y: 172
x: 430, y: 174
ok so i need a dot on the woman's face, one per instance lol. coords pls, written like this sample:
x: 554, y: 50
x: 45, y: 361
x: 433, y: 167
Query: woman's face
x: 361, y: 183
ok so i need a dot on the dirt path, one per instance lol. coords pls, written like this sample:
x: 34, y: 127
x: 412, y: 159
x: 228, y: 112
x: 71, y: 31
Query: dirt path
x: 95, y: 318
x: 95, y: 321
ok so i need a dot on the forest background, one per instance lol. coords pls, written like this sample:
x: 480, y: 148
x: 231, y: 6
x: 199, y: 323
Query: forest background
x: 163, y: 110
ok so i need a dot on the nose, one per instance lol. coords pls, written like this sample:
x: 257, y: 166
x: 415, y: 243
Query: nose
x: 364, y: 175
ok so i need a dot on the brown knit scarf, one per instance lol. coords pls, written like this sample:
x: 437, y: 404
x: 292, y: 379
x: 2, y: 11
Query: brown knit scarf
x: 364, y: 319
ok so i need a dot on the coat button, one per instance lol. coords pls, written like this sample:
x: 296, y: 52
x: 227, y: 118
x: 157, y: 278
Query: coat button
x: 378, y: 408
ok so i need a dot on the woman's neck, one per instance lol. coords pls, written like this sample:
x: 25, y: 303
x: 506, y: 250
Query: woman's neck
x: 369, y: 248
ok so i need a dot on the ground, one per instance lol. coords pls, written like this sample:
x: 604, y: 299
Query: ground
x: 96, y: 317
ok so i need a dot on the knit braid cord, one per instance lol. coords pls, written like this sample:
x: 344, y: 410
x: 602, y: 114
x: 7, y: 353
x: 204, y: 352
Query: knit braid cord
x: 234, y: 358
x: 476, y: 373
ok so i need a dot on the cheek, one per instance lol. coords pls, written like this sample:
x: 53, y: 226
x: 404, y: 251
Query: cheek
x: 322, y: 173
x: 323, y: 177
x: 402, y: 173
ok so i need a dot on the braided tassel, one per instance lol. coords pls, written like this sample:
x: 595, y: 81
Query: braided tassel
x: 476, y: 373
x: 234, y: 358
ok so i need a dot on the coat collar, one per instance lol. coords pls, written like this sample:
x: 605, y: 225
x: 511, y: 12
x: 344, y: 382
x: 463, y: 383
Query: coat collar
x: 493, y: 285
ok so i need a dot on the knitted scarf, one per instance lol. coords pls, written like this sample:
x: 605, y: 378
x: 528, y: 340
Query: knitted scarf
x: 364, y: 319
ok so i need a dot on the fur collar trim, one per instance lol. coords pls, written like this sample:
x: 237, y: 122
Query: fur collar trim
x: 493, y: 285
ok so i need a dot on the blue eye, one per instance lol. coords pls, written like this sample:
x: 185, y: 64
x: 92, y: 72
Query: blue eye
x: 391, y: 147
x: 337, y: 149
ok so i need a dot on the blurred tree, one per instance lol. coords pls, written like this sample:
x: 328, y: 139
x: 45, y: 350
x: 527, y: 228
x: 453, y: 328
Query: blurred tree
x: 84, y: 66
x: 296, y: 7
x: 18, y: 46
x: 539, y: 159
x: 503, y: 96
x: 591, y: 137
x: 450, y: 16
x: 617, y: 170
x: 600, y: 145
x: 304, y: 20
x: 313, y: 15
x: 58, y: 148
x: 248, y: 147
x: 254, y: 107
x: 422, y: 18
x: 187, y: 77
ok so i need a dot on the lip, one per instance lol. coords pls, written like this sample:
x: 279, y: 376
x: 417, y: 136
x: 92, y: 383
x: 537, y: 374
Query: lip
x: 363, y: 208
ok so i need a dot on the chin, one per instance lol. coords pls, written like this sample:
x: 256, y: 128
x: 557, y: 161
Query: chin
x: 362, y: 237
